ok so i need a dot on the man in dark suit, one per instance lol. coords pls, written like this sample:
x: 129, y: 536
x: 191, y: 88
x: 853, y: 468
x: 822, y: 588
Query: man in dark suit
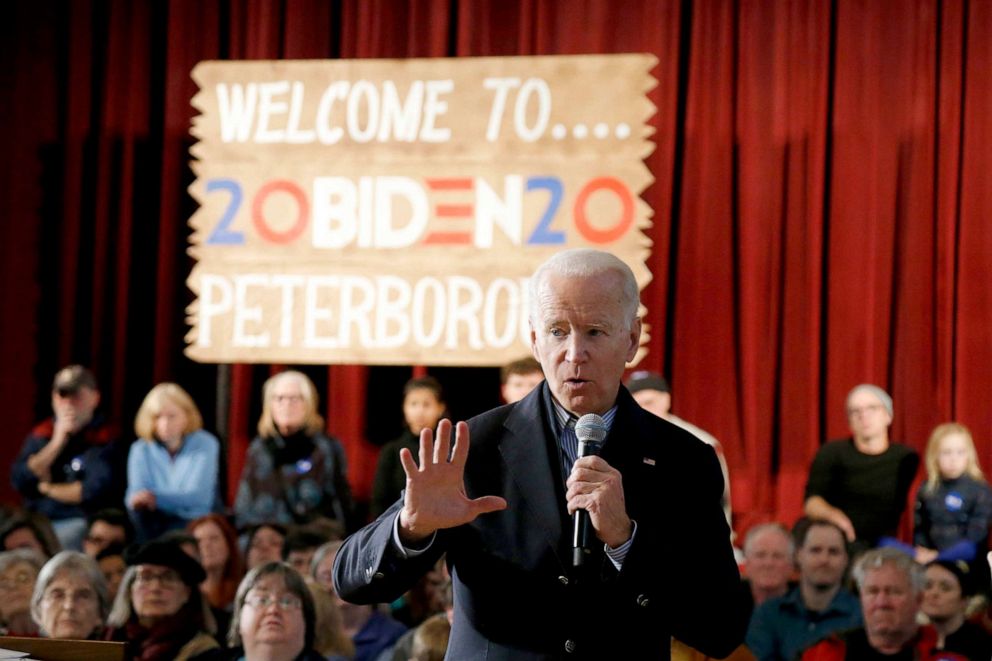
x: 662, y: 564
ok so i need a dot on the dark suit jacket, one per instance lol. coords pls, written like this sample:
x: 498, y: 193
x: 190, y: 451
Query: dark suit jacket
x: 516, y: 596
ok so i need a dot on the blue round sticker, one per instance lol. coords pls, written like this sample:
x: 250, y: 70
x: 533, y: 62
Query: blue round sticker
x: 303, y: 466
x: 953, y: 502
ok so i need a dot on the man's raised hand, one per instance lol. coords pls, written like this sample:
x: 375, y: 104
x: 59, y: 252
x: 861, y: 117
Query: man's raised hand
x: 435, y: 491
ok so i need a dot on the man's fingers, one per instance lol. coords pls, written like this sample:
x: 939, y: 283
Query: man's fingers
x: 426, y: 446
x: 409, y: 465
x: 460, y: 453
x: 443, y: 443
x: 486, y: 504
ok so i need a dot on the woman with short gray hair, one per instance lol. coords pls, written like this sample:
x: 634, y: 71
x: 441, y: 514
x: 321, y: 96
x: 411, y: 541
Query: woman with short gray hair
x: 70, y: 597
x: 18, y: 571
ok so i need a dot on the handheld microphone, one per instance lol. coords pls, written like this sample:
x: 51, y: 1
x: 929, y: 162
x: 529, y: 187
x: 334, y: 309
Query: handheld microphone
x: 591, y: 432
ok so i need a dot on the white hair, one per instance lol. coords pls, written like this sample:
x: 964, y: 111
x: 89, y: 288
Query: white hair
x: 585, y: 263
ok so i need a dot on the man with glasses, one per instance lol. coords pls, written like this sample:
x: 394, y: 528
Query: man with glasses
x: 860, y: 484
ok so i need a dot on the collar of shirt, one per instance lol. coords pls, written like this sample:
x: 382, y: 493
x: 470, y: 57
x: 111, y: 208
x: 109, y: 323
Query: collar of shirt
x: 563, y: 415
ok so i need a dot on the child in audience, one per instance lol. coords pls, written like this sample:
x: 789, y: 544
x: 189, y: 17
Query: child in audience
x: 423, y: 407
x: 954, y: 506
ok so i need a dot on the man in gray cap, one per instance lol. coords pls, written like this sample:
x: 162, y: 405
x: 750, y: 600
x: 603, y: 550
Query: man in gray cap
x: 651, y: 391
x: 71, y: 465
x: 860, y: 484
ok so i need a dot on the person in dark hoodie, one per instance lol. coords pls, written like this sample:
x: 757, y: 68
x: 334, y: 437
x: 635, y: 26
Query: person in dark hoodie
x: 293, y: 471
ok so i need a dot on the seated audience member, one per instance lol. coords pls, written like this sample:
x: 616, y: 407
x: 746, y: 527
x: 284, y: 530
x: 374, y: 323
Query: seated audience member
x: 372, y: 631
x: 111, y: 563
x: 217, y: 543
x: 18, y: 573
x: 402, y: 649
x: 70, y: 598
x: 274, y: 618
x: 424, y: 599
x: 518, y: 378
x: 265, y: 544
x: 423, y: 407
x: 783, y: 626
x: 430, y: 641
x: 861, y: 483
x: 330, y: 641
x: 293, y: 471
x: 25, y: 532
x: 891, y: 588
x: 299, y: 548
x: 768, y: 561
x: 71, y: 464
x: 947, y: 591
x: 107, y: 527
x: 652, y: 392
x: 954, y: 506
x: 172, y: 469
x: 159, y: 611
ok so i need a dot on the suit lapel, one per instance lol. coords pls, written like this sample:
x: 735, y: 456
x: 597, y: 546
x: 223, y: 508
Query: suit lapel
x: 528, y: 447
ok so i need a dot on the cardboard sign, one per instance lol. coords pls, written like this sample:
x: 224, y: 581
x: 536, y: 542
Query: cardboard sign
x: 392, y: 211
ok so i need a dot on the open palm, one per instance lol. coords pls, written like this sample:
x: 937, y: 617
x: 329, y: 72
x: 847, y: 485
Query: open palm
x: 435, y: 491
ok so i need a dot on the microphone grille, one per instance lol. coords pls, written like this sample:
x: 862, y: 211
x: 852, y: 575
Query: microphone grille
x: 590, y: 429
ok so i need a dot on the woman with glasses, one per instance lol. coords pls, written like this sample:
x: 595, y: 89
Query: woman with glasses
x: 18, y: 572
x: 160, y: 612
x: 70, y: 597
x: 274, y: 618
x: 293, y: 471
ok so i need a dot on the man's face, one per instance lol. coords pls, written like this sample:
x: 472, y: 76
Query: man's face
x: 101, y: 535
x: 581, y: 340
x: 518, y: 386
x: 654, y: 401
x: 822, y: 558
x: 75, y: 408
x: 768, y: 563
x: 867, y: 416
x: 889, y: 607
x: 300, y: 560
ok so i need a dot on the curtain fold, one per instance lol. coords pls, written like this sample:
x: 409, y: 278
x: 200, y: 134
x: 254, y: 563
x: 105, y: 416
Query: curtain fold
x: 820, y: 201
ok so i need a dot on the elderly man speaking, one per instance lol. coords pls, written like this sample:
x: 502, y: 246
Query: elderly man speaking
x: 502, y: 505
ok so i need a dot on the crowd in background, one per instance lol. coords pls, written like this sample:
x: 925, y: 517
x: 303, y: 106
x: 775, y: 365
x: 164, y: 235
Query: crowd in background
x: 127, y: 537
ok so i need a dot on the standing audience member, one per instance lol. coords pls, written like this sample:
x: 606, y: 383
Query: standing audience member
x: 71, y: 464
x: 111, y: 563
x: 274, y: 618
x: 782, y: 627
x: 107, y: 527
x: 891, y: 588
x: 861, y: 483
x: 768, y: 561
x: 518, y: 378
x: 265, y: 544
x: 423, y: 406
x: 172, y: 469
x: 293, y: 471
x: 160, y: 612
x: 18, y: 573
x: 954, y: 505
x: 651, y: 391
x: 25, y: 532
x: 70, y: 598
x: 947, y: 592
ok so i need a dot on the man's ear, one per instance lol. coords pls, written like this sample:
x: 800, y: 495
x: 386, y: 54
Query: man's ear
x: 634, y: 338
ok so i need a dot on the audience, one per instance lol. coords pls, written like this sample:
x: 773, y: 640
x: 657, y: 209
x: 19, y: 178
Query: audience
x: 265, y: 544
x: 159, y: 611
x: 293, y: 472
x: 217, y: 543
x: 71, y: 464
x: 330, y: 640
x: 18, y: 573
x: 768, y: 561
x: 111, y: 563
x: 107, y: 527
x: 28, y: 531
x: 430, y: 642
x: 299, y: 548
x: 172, y: 469
x: 861, y: 484
x: 70, y: 598
x: 423, y: 408
x: 891, y: 587
x: 783, y: 626
x: 947, y: 591
x: 518, y: 378
x: 274, y: 618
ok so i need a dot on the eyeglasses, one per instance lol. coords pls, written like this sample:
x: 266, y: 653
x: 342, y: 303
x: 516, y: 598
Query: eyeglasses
x: 59, y: 595
x: 855, y: 411
x: 19, y: 579
x: 287, y: 399
x: 167, y: 578
x: 286, y: 602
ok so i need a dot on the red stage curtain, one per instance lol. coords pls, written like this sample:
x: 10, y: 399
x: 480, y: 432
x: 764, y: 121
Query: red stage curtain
x: 821, y: 208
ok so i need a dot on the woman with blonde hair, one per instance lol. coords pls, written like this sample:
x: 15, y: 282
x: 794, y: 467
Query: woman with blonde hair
x: 293, y: 471
x: 172, y: 470
x: 954, y: 506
